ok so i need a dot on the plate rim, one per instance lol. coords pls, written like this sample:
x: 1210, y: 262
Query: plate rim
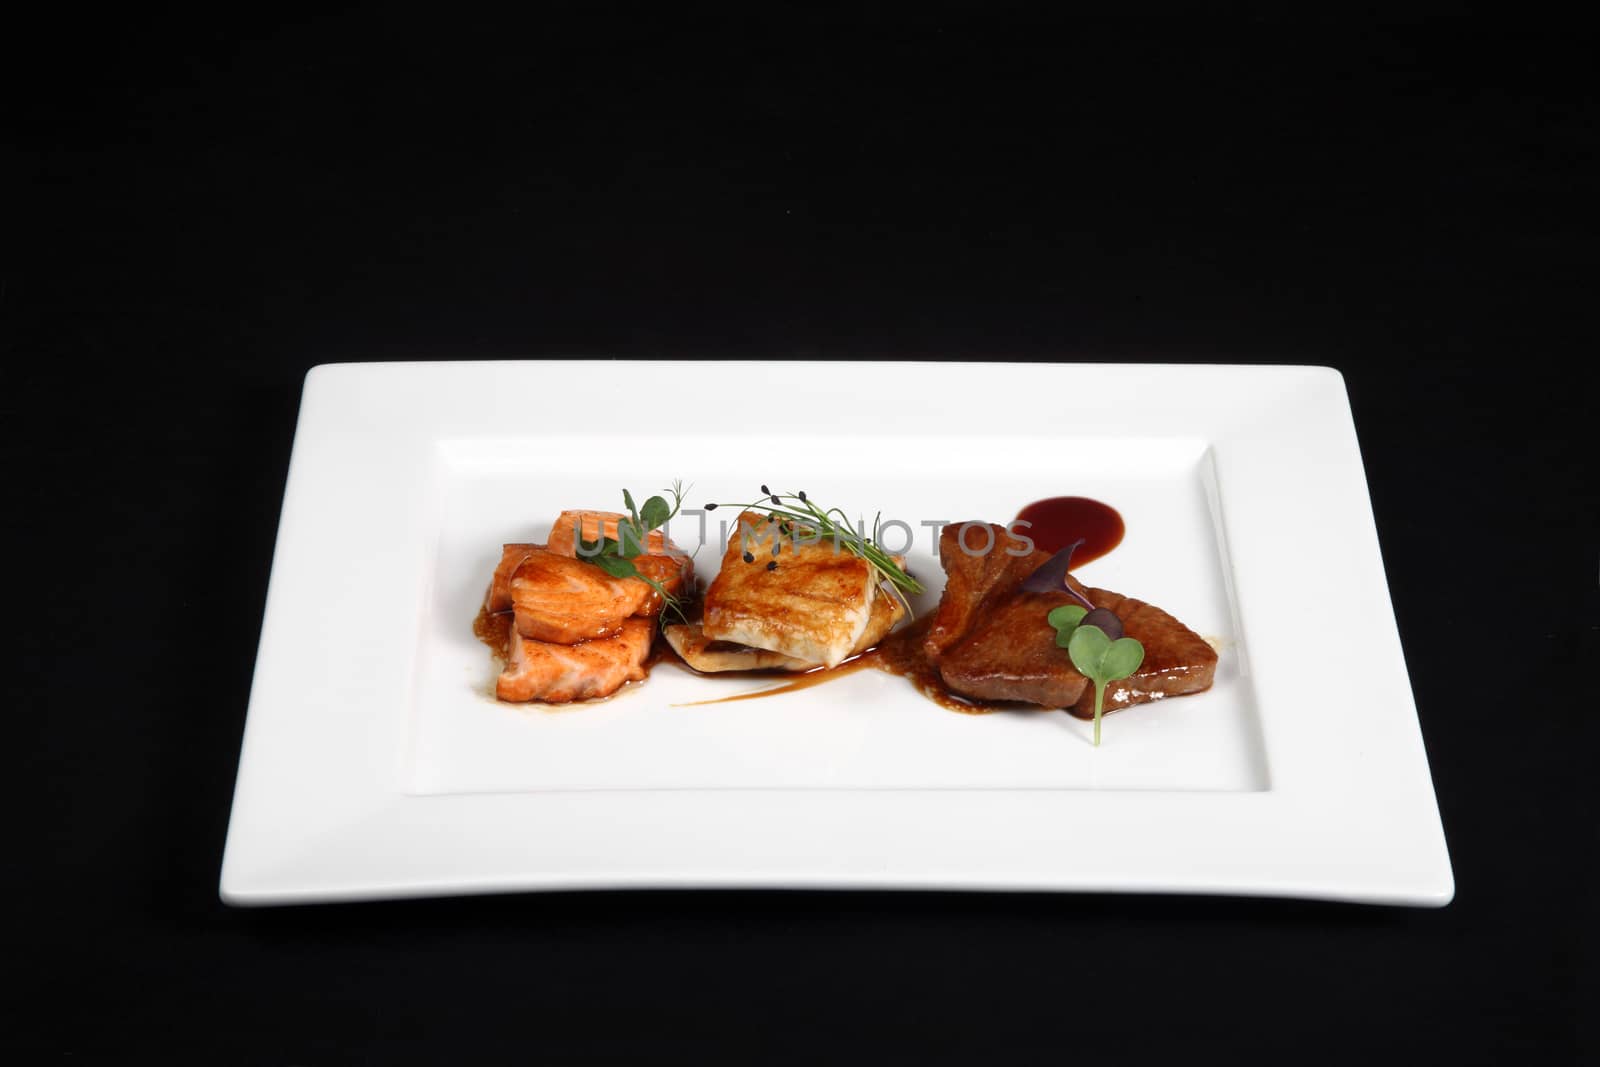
x: 1378, y: 840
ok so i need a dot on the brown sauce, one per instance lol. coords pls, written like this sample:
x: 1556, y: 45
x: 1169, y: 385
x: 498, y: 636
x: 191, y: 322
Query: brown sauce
x: 797, y: 680
x: 493, y: 628
x: 1060, y: 520
x: 900, y: 653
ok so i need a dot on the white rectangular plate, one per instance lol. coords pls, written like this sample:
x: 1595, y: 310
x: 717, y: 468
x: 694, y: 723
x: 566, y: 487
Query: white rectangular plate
x: 376, y: 764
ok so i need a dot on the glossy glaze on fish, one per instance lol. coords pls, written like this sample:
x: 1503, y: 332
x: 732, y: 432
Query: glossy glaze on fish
x: 812, y: 606
x: 557, y: 673
x: 577, y: 632
x: 990, y: 640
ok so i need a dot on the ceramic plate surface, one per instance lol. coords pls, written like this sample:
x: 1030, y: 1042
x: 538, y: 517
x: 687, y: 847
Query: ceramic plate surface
x: 376, y: 763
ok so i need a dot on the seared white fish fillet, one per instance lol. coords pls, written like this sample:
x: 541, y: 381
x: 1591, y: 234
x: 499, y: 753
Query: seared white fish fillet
x: 812, y: 607
x: 711, y: 657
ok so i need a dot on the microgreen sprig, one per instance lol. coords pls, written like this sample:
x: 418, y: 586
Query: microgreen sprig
x: 1099, y: 651
x: 807, y: 520
x: 615, y: 555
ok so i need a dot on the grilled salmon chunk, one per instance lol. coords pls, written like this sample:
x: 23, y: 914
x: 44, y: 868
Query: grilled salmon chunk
x: 566, y: 600
x: 664, y: 563
x: 557, y: 674
x: 709, y: 657
x: 673, y: 571
x: 498, y: 598
x: 592, y: 525
x: 812, y: 607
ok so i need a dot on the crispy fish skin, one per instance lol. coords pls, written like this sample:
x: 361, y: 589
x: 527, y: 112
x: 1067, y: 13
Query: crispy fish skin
x: 711, y: 657
x: 813, y: 607
x: 559, y: 673
x: 565, y: 600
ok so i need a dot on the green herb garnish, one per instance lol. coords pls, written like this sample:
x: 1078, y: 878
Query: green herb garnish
x: 803, y: 521
x: 1096, y: 655
x: 615, y: 555
x: 1066, y: 619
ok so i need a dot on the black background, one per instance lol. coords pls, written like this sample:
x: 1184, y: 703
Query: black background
x: 205, y: 211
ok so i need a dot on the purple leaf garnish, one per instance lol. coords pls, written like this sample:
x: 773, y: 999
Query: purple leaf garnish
x: 1051, y: 576
x: 1106, y: 619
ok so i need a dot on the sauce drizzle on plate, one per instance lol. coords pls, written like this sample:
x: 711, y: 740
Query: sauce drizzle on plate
x: 900, y: 653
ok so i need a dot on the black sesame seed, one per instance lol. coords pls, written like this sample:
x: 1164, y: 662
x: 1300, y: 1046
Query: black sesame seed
x: 711, y: 507
x: 802, y: 495
x: 775, y: 500
x: 765, y: 490
x: 772, y: 566
x: 749, y: 557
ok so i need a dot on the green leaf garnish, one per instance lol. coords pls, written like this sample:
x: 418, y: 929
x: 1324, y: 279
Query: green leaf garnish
x: 1096, y: 656
x: 616, y: 566
x: 615, y: 556
x: 1066, y: 619
x: 655, y: 513
x: 1121, y: 659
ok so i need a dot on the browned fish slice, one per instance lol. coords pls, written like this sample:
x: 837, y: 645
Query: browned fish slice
x: 566, y: 600
x: 886, y: 612
x: 812, y: 606
x: 1177, y: 661
x: 498, y: 598
x: 557, y: 674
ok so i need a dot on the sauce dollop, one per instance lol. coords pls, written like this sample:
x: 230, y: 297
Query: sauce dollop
x: 1058, y: 521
